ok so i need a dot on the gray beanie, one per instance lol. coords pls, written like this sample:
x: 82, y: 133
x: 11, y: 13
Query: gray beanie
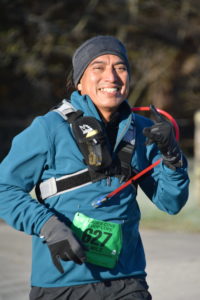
x: 93, y: 48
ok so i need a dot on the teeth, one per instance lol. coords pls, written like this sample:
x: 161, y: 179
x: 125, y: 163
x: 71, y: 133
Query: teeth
x: 109, y: 90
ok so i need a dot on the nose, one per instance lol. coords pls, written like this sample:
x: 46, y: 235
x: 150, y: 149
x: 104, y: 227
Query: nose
x: 111, y: 74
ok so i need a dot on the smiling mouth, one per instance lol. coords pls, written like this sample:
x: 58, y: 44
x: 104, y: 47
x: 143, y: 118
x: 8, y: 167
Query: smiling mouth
x: 110, y: 90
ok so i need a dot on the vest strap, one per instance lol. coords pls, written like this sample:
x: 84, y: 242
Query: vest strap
x: 120, y: 167
x: 54, y: 186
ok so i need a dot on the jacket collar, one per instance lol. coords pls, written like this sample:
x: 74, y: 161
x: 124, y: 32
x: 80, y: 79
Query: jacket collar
x: 84, y: 103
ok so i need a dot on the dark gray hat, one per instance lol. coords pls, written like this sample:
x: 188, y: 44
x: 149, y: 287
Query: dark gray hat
x: 93, y: 48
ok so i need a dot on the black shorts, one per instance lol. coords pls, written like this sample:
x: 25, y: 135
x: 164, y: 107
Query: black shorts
x: 132, y: 288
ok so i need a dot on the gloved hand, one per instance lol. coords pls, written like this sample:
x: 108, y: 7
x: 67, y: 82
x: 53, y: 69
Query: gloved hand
x: 162, y: 134
x: 62, y: 243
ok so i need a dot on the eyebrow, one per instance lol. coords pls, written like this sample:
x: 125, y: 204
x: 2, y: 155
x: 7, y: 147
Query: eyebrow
x: 103, y: 62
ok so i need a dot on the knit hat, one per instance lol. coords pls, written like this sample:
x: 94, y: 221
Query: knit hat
x: 93, y: 48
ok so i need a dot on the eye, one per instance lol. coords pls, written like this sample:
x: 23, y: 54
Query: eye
x: 98, y: 68
x: 121, y: 68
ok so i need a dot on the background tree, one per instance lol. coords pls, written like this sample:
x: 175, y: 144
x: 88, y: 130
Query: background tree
x: 37, y: 40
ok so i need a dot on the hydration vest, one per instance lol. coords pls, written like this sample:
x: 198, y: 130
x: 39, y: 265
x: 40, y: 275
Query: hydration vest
x: 92, y: 141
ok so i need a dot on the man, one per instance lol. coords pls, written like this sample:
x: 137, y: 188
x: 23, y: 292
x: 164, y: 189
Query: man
x: 83, y: 246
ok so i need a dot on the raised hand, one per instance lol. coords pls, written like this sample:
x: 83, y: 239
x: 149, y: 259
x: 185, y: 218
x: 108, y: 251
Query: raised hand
x: 162, y: 134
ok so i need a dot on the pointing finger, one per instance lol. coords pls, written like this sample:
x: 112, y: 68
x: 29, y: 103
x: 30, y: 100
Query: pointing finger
x: 157, y: 116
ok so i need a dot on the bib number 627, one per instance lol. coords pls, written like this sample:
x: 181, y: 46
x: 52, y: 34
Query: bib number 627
x: 93, y: 237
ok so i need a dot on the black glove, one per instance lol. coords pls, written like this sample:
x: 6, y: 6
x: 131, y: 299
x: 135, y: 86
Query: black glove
x: 162, y: 134
x: 62, y: 243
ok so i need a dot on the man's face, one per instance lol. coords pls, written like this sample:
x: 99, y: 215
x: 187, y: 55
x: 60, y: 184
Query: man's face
x: 106, y: 82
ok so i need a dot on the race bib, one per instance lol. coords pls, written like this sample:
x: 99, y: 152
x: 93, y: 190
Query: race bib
x: 103, y: 240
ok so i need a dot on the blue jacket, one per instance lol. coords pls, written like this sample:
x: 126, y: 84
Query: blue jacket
x: 47, y: 149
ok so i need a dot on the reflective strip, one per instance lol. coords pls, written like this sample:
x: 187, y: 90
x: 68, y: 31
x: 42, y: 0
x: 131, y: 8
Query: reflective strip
x: 71, y: 175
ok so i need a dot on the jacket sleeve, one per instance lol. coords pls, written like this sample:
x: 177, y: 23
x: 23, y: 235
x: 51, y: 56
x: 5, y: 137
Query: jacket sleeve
x: 168, y: 189
x: 19, y: 172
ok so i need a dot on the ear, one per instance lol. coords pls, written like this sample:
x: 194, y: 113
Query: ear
x: 79, y: 86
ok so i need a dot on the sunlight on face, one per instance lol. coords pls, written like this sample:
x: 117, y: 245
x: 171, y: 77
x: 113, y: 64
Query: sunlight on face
x: 106, y: 82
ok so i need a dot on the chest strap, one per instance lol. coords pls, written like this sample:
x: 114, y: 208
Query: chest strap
x: 56, y: 186
x: 119, y: 167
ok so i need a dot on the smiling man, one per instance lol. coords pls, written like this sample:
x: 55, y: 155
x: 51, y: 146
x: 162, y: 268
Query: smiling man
x: 76, y: 154
x: 106, y: 81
